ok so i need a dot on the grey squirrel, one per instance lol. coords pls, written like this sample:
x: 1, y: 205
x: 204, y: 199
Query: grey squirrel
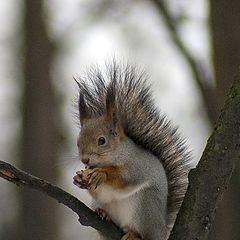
x: 136, y: 163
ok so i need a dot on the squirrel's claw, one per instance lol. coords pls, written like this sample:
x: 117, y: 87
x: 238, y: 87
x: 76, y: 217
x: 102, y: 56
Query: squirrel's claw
x: 103, y: 214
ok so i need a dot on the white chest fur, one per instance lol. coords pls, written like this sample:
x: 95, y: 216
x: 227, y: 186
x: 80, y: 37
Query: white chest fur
x: 122, y: 211
x: 120, y: 205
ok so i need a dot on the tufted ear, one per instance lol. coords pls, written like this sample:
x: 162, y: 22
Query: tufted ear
x: 111, y: 114
x: 113, y: 121
x: 83, y: 109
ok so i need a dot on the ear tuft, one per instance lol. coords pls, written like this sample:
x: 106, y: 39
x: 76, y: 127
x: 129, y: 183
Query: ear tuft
x: 110, y: 97
x: 111, y: 109
x: 110, y: 102
x: 83, y: 110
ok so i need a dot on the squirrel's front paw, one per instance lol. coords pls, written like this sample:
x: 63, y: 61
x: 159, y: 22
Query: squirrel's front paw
x: 90, y: 178
x: 81, y: 180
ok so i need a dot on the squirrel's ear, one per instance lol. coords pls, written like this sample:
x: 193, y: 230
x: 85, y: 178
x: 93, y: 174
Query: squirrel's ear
x: 83, y: 110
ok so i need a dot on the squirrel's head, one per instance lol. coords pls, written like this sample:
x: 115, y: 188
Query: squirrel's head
x: 99, y: 136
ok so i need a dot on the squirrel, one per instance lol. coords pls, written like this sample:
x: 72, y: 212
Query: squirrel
x: 136, y: 163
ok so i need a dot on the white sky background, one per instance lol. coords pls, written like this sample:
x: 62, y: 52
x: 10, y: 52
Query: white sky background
x: 128, y: 30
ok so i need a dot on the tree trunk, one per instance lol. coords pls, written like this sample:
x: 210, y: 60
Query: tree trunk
x: 39, y: 142
x: 225, y: 19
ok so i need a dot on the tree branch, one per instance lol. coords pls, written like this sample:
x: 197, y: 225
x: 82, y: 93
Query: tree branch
x: 211, y: 177
x: 86, y: 216
x: 199, y: 70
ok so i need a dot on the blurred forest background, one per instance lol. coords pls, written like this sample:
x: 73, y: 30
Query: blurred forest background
x: 190, y: 50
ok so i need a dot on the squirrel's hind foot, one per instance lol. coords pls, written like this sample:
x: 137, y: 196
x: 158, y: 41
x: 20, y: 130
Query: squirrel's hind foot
x: 80, y: 181
x: 130, y: 235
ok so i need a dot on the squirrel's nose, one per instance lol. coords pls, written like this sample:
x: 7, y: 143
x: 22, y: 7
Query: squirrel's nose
x: 85, y: 160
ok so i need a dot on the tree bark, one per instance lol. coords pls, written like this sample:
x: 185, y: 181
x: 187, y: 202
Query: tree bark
x: 212, y: 175
x: 225, y: 19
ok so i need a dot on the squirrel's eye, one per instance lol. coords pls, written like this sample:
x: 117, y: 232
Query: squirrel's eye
x: 101, y: 141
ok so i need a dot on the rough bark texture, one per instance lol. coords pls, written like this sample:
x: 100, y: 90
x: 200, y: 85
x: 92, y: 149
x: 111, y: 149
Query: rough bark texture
x: 86, y: 216
x: 211, y: 177
x: 224, y: 19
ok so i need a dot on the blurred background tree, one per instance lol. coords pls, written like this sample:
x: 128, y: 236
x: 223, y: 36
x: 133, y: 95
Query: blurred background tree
x: 189, y: 48
x: 40, y: 121
x: 39, y: 136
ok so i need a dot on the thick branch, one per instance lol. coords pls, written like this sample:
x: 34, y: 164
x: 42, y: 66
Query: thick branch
x: 211, y: 177
x: 86, y: 216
